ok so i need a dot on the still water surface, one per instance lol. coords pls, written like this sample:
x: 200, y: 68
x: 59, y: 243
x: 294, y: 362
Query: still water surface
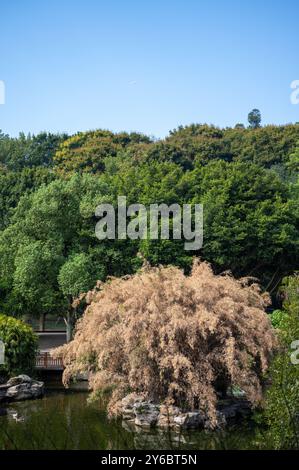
x: 63, y: 420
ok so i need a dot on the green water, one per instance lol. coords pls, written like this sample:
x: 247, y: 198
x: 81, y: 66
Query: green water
x: 65, y: 421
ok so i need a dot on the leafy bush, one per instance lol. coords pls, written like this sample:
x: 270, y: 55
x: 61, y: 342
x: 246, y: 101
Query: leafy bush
x: 281, y: 413
x: 277, y: 318
x: 175, y: 338
x: 20, y: 346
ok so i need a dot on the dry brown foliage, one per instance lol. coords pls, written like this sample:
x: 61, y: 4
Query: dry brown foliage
x: 173, y: 338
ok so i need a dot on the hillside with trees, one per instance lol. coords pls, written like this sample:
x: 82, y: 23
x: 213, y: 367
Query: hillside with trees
x: 51, y: 184
x: 50, y: 257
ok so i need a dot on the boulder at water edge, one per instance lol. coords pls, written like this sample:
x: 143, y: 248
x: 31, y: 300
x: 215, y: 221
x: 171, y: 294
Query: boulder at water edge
x: 21, y: 388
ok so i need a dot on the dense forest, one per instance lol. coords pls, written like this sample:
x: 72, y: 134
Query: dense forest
x: 50, y: 185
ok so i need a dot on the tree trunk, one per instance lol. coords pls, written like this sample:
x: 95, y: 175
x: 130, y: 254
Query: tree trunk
x: 68, y: 322
x: 42, y: 320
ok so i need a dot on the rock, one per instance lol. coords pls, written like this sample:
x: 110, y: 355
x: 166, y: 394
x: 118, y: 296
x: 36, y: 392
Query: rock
x: 146, y: 414
x: 131, y: 400
x: 191, y: 420
x: 229, y: 412
x: 135, y: 409
x: 173, y: 417
x: 18, y: 380
x: 167, y: 415
x: 169, y: 410
x: 166, y: 421
x: 128, y: 405
x: 233, y: 410
x: 21, y: 388
x: 128, y: 414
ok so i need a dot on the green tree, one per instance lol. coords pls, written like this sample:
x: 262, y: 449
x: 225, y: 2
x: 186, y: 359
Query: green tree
x: 27, y: 151
x: 14, y: 185
x: 49, y: 254
x: 255, y: 118
x: 251, y: 212
x: 199, y: 144
x: 282, y: 399
x: 250, y: 223
x: 293, y: 163
x: 76, y: 276
x: 20, y: 346
x: 85, y: 152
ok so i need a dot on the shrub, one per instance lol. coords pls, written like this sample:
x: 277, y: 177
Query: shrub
x: 20, y: 346
x: 281, y: 414
x: 175, y: 338
x: 278, y: 317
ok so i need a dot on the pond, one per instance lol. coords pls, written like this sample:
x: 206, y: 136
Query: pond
x: 65, y: 421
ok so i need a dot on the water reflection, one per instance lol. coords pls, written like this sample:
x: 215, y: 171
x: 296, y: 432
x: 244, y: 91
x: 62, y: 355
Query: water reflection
x: 65, y: 421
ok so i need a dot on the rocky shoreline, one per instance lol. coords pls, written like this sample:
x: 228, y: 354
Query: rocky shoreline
x: 21, y: 388
x: 143, y: 413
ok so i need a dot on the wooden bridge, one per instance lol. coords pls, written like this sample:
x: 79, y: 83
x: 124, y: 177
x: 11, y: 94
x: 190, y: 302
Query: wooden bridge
x: 45, y: 361
x: 49, y: 340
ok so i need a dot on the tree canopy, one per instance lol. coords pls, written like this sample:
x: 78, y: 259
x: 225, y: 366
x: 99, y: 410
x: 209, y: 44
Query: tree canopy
x: 50, y: 185
x: 174, y: 338
x: 255, y: 118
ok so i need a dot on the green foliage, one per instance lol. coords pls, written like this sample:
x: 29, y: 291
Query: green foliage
x: 29, y: 151
x: 255, y: 118
x: 277, y: 318
x: 293, y: 174
x: 20, y: 346
x: 250, y: 225
x: 75, y: 275
x: 86, y: 151
x: 265, y: 146
x: 282, y: 400
x: 186, y: 146
x: 246, y: 179
x: 25, y: 165
x: 49, y: 253
x: 293, y: 163
x: 14, y: 185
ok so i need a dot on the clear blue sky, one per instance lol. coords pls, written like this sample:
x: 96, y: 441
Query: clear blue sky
x: 150, y: 66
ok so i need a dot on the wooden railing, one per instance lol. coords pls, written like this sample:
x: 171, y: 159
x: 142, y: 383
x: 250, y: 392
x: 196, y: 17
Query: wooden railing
x: 45, y: 361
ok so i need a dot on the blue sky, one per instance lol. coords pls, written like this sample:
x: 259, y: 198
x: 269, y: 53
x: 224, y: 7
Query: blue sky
x: 146, y: 65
